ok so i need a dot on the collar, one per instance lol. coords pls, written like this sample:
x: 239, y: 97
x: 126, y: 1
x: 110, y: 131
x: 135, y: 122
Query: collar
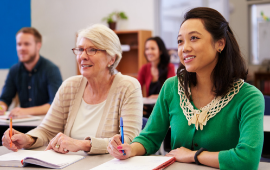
x: 35, y: 69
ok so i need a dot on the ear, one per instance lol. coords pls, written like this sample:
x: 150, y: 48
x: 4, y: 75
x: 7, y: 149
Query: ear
x: 220, y: 44
x: 38, y: 44
x: 112, y: 60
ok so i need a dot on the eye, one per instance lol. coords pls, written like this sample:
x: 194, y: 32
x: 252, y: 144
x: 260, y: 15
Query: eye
x: 179, y: 41
x: 80, y: 49
x: 194, y: 38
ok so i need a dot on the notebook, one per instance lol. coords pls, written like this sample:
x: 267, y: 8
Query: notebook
x: 48, y: 159
x: 5, y: 118
x: 137, y: 162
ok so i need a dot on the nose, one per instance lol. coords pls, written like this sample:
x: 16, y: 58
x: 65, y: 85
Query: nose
x: 186, y: 47
x: 83, y: 56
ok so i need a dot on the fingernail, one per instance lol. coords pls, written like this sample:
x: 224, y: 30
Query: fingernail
x: 119, y: 147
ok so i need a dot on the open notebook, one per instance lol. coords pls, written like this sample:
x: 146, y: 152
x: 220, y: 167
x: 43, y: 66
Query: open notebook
x: 48, y: 159
x: 5, y: 118
x: 137, y: 162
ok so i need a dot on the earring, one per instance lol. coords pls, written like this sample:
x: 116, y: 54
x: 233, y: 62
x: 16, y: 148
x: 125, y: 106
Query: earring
x: 109, y: 65
x: 219, y: 51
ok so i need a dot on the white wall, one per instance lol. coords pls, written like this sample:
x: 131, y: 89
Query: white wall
x: 59, y: 20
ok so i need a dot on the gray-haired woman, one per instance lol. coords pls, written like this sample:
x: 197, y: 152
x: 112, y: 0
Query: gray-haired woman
x: 86, y: 110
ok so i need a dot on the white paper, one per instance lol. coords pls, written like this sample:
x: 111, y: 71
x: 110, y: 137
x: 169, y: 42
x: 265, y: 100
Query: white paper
x: 134, y: 163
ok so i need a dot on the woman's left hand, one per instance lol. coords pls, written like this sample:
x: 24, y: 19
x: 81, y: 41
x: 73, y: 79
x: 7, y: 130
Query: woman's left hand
x: 182, y: 155
x: 63, y: 144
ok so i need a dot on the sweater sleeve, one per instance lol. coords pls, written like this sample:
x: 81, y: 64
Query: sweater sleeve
x: 171, y: 70
x: 53, y: 123
x: 246, y: 155
x: 131, y: 112
x: 141, y: 76
x: 158, y: 123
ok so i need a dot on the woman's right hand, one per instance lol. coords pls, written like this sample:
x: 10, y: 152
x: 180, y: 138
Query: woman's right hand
x: 115, y: 148
x: 3, y: 109
x: 19, y: 140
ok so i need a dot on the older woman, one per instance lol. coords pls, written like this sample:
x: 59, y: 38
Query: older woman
x: 86, y: 110
x: 216, y: 118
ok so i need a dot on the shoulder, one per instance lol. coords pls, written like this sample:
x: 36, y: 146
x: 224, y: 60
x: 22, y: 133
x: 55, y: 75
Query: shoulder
x: 71, y: 84
x: 170, y: 65
x: 128, y: 81
x: 146, y: 66
x: 171, y: 81
x: 15, y: 67
x: 48, y: 64
x: 248, y: 90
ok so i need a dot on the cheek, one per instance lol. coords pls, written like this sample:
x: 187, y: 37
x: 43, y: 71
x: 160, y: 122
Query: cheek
x: 180, y: 54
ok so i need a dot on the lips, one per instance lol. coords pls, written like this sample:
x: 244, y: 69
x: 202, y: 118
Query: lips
x: 85, y: 65
x: 189, y: 57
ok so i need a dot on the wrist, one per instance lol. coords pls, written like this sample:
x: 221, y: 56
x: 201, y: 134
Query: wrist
x: 192, y: 156
x: 86, y: 145
x: 30, y: 140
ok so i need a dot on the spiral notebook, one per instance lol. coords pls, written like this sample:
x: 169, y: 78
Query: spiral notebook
x: 137, y: 162
x: 48, y: 159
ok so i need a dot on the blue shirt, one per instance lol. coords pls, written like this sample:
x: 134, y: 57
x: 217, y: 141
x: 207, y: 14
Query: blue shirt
x: 34, y: 88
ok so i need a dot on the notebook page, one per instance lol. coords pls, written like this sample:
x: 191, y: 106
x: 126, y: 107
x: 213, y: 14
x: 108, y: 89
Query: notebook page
x: 55, y: 158
x: 19, y: 155
x: 134, y: 163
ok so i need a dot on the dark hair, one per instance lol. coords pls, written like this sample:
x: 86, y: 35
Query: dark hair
x: 230, y: 65
x: 164, y: 59
x: 31, y: 30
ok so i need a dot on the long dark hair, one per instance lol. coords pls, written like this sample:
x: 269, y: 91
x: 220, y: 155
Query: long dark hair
x: 230, y: 65
x: 164, y: 59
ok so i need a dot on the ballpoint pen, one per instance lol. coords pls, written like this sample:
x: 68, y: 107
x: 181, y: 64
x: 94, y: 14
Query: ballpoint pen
x: 122, y: 133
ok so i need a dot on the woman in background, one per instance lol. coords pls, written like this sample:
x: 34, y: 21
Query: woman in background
x: 216, y: 118
x: 156, y: 71
x: 87, y: 108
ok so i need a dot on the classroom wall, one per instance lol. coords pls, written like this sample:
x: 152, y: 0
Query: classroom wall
x: 239, y: 22
x: 58, y: 21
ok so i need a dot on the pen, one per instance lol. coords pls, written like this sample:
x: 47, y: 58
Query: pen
x: 122, y: 133
x: 10, y: 130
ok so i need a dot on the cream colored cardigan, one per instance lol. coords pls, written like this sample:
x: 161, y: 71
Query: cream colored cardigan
x: 124, y: 99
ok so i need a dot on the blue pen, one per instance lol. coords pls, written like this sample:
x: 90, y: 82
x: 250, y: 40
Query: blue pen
x: 122, y: 133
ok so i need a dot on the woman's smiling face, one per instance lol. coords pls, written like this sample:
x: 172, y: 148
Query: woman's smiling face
x: 196, y: 47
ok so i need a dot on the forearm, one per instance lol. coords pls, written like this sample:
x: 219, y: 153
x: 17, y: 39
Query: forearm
x: 137, y: 149
x: 38, y: 110
x: 209, y: 159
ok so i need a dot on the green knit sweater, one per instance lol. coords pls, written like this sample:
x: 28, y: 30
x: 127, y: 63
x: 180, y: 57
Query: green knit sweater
x: 236, y: 131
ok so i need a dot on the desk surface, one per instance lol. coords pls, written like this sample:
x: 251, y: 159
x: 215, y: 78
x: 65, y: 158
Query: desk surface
x: 92, y: 161
x: 33, y: 123
x: 266, y: 123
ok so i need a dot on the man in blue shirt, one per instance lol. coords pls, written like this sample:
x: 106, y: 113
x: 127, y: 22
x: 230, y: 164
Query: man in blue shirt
x: 35, y: 79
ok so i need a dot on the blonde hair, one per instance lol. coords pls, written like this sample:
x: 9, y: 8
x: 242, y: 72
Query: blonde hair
x: 105, y: 39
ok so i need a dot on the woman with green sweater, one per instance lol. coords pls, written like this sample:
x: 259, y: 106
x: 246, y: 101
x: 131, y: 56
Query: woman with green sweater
x: 216, y: 118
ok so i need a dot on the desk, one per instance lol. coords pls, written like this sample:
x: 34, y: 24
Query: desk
x: 92, y: 161
x: 266, y: 123
x: 20, y: 126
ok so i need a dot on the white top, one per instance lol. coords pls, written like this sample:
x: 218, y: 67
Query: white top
x: 87, y: 120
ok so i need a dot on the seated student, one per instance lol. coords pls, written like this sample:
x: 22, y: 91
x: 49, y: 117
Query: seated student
x: 158, y: 69
x: 216, y: 118
x: 154, y: 73
x: 87, y: 108
x: 34, y: 78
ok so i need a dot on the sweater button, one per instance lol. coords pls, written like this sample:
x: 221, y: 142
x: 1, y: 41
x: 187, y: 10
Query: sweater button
x: 196, y: 144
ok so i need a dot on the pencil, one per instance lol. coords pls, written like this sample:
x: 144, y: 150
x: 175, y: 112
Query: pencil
x: 10, y: 130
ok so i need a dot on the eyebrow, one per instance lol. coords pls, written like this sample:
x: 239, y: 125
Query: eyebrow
x: 192, y: 32
x: 81, y: 46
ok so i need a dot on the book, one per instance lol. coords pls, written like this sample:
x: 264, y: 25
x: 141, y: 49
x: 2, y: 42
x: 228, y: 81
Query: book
x: 149, y: 101
x: 23, y: 118
x: 48, y: 159
x: 137, y: 162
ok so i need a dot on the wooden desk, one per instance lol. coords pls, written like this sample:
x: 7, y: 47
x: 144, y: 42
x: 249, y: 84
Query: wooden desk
x: 92, y: 161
